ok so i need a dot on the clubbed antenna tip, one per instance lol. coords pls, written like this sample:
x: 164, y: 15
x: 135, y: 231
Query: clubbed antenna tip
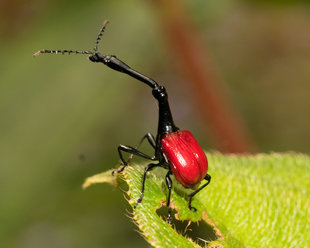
x: 105, y: 22
x: 37, y: 53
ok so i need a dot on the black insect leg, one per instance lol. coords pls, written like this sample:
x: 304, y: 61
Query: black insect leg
x: 208, y: 178
x: 169, y: 185
x: 132, y: 151
x: 150, y: 138
x: 148, y: 168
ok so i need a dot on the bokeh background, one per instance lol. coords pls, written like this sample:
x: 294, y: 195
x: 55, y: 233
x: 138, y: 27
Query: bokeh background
x: 237, y: 74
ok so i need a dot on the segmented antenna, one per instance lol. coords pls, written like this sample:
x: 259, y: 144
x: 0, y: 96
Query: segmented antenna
x: 62, y: 52
x: 100, y: 34
x: 75, y: 51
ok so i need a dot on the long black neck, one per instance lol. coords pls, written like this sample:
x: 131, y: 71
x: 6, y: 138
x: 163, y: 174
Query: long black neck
x: 165, y: 120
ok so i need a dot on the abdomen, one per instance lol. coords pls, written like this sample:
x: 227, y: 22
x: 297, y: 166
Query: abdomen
x: 187, y: 160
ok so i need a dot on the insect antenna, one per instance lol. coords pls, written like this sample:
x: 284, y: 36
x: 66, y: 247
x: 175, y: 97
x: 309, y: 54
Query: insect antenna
x: 100, y: 34
x: 75, y: 51
x: 61, y: 52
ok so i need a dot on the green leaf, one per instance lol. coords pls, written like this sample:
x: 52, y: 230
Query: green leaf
x: 252, y: 201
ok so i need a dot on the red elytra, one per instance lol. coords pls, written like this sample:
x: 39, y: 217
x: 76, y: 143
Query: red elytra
x: 186, y: 158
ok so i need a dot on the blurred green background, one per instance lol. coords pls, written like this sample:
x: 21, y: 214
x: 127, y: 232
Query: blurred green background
x: 62, y: 117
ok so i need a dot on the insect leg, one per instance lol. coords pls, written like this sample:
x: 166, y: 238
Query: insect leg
x: 148, y: 168
x: 169, y: 185
x: 191, y: 195
x: 132, y: 151
x: 150, y: 138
